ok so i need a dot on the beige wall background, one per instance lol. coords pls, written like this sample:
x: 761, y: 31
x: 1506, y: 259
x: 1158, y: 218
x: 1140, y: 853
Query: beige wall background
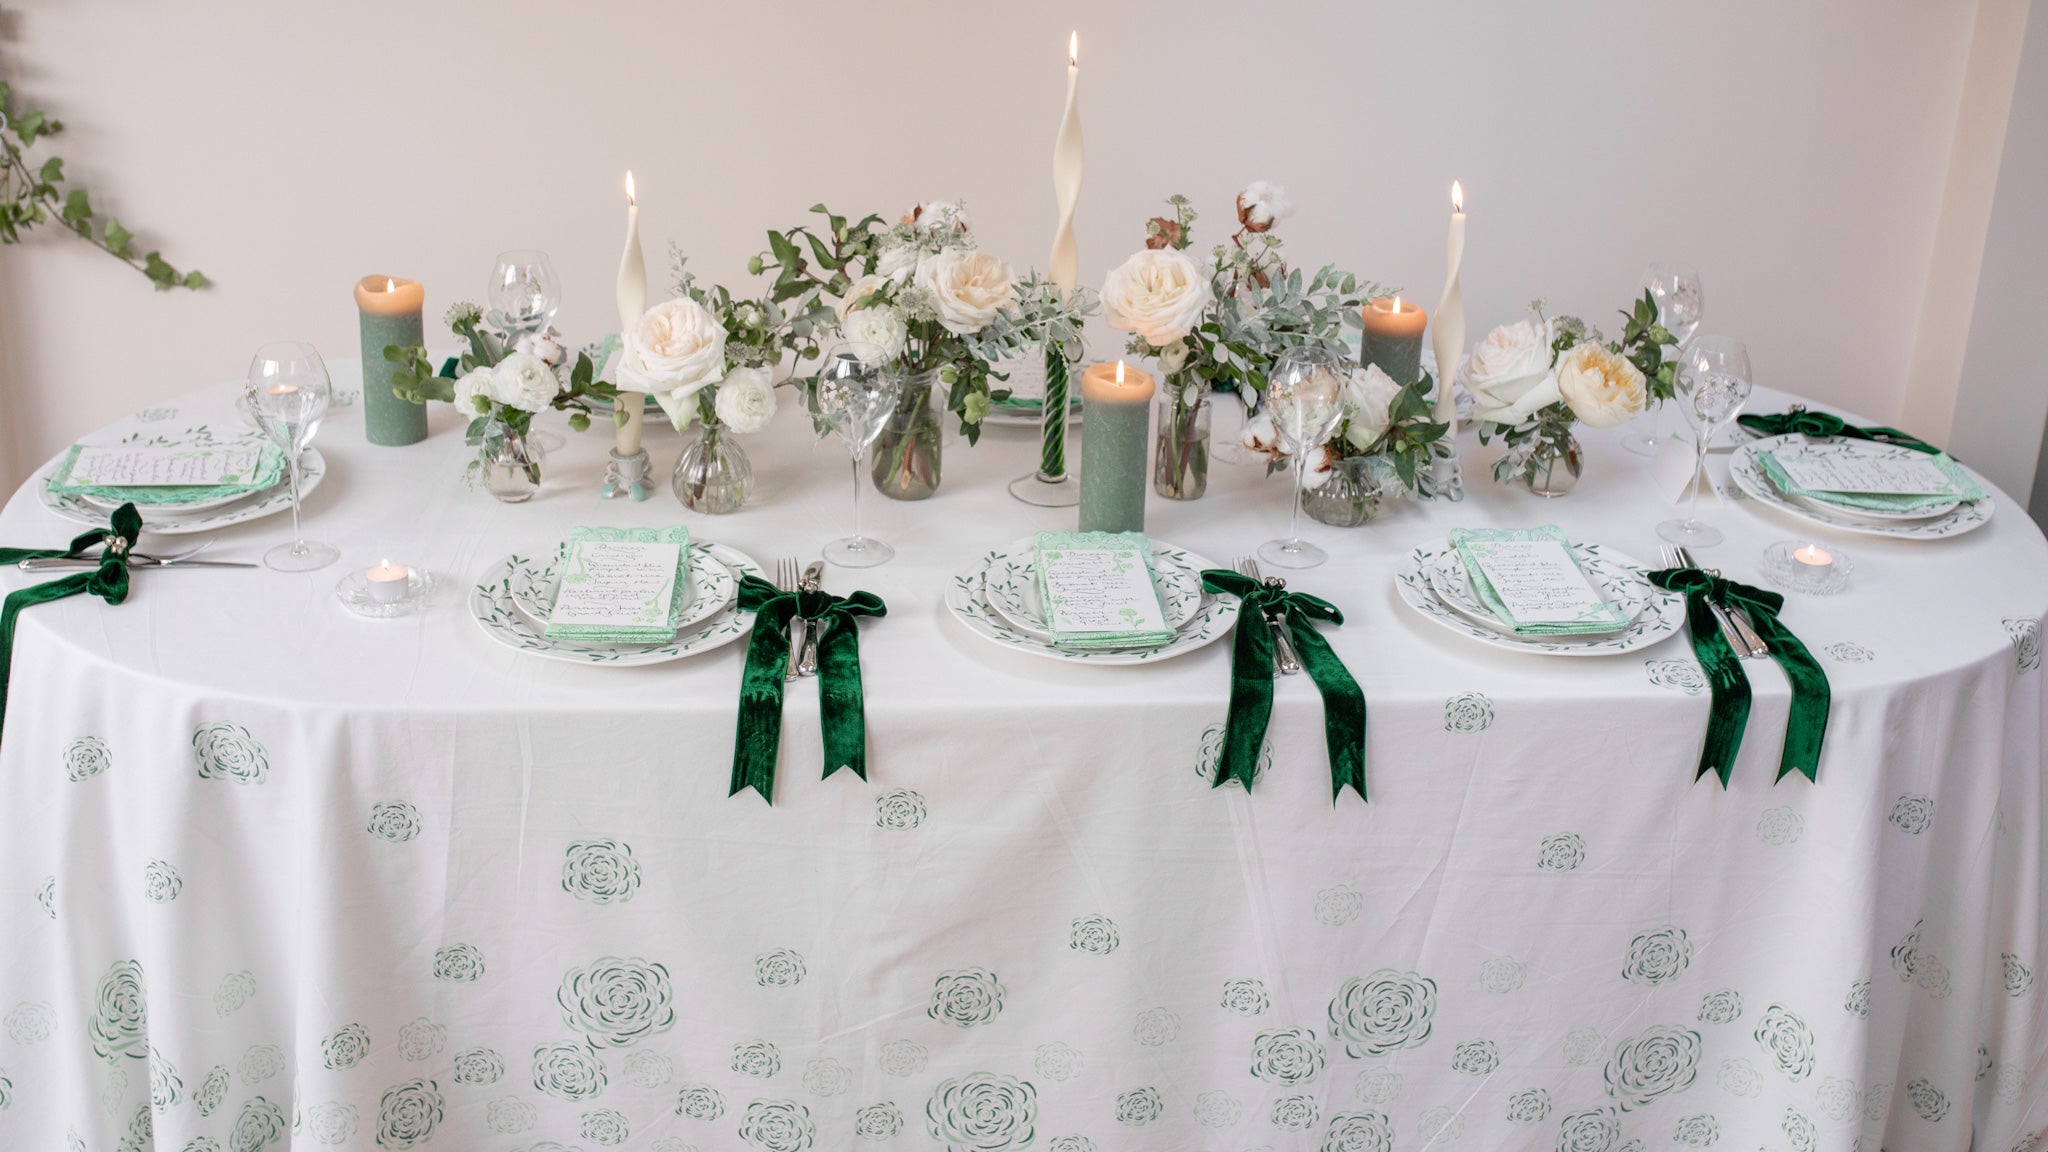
x: 1796, y: 152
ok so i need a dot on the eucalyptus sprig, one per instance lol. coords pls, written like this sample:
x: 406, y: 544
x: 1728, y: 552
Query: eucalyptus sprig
x: 33, y: 194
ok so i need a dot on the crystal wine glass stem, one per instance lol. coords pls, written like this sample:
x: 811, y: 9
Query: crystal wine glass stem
x: 1294, y: 514
x: 857, y: 458
x: 298, y: 537
x: 1699, y: 474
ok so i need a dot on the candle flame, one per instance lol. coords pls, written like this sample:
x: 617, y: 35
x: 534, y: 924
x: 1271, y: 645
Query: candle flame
x: 629, y: 187
x: 390, y: 285
x: 384, y: 563
x: 1074, y: 48
x: 1119, y: 371
x: 1397, y: 303
x: 1457, y: 196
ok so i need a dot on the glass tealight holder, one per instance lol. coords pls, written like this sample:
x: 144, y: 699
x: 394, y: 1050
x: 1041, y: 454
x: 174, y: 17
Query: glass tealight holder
x: 1803, y: 566
x: 385, y: 591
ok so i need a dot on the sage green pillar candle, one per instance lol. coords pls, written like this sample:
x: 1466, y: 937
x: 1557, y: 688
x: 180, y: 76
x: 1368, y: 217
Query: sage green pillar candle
x: 390, y: 311
x: 1116, y: 411
x: 1392, y: 338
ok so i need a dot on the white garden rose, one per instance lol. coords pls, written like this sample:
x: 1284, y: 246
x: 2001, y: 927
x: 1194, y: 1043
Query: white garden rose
x: 676, y: 349
x: 1509, y: 373
x: 545, y: 345
x: 472, y: 388
x: 1369, y: 395
x: 896, y: 262
x: 1601, y: 386
x: 1159, y: 294
x: 1173, y: 357
x: 877, y: 333
x: 968, y: 288
x: 745, y: 400
x: 522, y: 381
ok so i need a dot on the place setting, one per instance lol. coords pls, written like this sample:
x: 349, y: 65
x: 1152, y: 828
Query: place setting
x: 1863, y: 486
x: 1536, y: 591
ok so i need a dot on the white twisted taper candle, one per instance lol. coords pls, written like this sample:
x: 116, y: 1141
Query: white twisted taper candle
x: 1447, y: 337
x: 1064, y: 266
x: 632, y: 303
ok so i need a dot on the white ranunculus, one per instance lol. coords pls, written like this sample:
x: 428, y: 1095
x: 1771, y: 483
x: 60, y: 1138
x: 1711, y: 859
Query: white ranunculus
x: 745, y: 400
x: 1159, y: 294
x: 1602, y: 387
x: 968, y: 287
x: 1265, y: 202
x: 876, y: 334
x: 677, y: 347
x: 547, y: 346
x: 896, y: 262
x: 1509, y: 373
x: 1369, y: 394
x: 522, y: 381
x: 1173, y: 357
x: 471, y: 388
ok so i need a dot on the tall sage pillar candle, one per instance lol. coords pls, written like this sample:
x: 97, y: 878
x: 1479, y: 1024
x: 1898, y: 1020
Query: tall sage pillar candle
x: 1116, y: 408
x: 1392, y: 338
x: 390, y: 311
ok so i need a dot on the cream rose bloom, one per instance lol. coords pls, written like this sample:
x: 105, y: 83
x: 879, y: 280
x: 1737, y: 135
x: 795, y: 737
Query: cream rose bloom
x: 675, y: 349
x: 968, y: 287
x: 522, y: 381
x: 1602, y: 387
x: 1159, y: 294
x: 471, y: 388
x: 745, y: 400
x: 877, y: 333
x: 1369, y: 396
x: 860, y: 290
x: 1509, y: 373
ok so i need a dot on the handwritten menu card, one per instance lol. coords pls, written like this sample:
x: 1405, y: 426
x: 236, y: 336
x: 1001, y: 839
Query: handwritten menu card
x: 1097, y: 591
x: 1530, y: 579
x: 130, y: 466
x: 1859, y: 472
x: 621, y: 585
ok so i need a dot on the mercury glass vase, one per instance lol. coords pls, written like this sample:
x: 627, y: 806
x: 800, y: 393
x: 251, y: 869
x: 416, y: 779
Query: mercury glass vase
x: 1350, y: 496
x: 1180, y: 451
x: 907, y: 452
x: 1549, y: 468
x: 713, y: 475
x: 509, y: 464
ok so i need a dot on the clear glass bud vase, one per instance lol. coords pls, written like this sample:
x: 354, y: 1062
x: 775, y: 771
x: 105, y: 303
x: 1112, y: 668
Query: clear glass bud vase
x: 713, y: 475
x: 508, y: 464
x: 908, y: 458
x: 1180, y: 452
x: 1549, y: 467
x: 1350, y: 496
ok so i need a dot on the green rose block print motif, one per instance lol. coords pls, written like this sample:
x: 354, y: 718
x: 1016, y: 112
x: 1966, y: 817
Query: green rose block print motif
x: 345, y: 1047
x: 568, y: 1070
x: 1502, y: 974
x: 232, y: 992
x: 262, y: 1062
x: 30, y: 1022
x: 141, y: 1128
x: 1657, y: 956
x: 461, y: 963
x: 1877, y: 1102
x: 1440, y: 1126
x: 1093, y: 935
x: 600, y: 871
x: 781, y: 968
x: 1529, y: 1108
x: 46, y: 896
x: 1382, y: 1013
x: 645, y: 1069
x: 1723, y: 1007
x: 1787, y: 1041
x: 1653, y: 1064
x: 1246, y: 997
x: 211, y: 1091
x: 617, y: 1001
x: 1594, y: 1130
x: 421, y: 1039
x: 1057, y: 1061
x: 1561, y: 853
x: 1359, y: 1132
x: 395, y: 821
x: 2019, y: 979
x: 1378, y: 1087
x: 1139, y: 1107
x: 1847, y: 652
x: 479, y: 1066
x: 1738, y: 1077
x: 604, y: 1127
x: 1779, y: 827
x: 1209, y: 749
x: 1927, y: 1101
x: 1338, y: 906
x: 1476, y: 1058
x: 408, y: 1113
x: 878, y: 1121
x: 120, y: 1018
x: 1697, y: 1131
x: 966, y: 998
x: 1294, y: 1113
x: 1800, y: 1129
x: 87, y: 757
x: 260, y: 1124
x: 700, y: 1102
x: 1155, y: 1027
x: 165, y: 1088
x: 777, y: 1126
x: 1677, y: 675
x: 902, y: 1058
x: 228, y: 752
x: 1071, y: 1144
x: 509, y: 1115
x: 332, y: 1122
x: 161, y: 882
x: 827, y: 1077
x: 1857, y: 1002
x: 671, y: 1144
x: 113, y: 1087
x: 756, y: 1058
x: 1912, y: 814
x: 1287, y: 1057
x: 1218, y: 1109
x: 2026, y: 642
x: 1837, y: 1099
x: 1468, y: 712
x: 899, y: 810
x: 6, y: 1091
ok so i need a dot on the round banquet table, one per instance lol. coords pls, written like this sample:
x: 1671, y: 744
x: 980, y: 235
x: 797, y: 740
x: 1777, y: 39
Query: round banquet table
x: 272, y: 875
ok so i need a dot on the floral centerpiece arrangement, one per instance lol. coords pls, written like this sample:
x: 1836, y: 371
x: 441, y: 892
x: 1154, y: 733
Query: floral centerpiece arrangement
x: 1535, y: 379
x: 921, y: 298
x: 501, y: 381
x: 1382, y: 447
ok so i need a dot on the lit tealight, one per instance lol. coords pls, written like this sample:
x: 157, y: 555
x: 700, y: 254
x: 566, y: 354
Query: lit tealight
x: 387, y: 582
x: 1813, y: 560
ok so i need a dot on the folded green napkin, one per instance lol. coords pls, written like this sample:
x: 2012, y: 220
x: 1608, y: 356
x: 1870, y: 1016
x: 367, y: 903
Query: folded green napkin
x: 1106, y: 595
x: 1961, y: 487
x: 643, y: 605
x: 269, y: 470
x: 1476, y: 544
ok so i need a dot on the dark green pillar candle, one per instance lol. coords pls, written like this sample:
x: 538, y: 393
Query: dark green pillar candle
x: 390, y: 312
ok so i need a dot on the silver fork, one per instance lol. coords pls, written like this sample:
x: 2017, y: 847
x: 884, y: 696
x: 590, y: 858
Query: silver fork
x: 1680, y: 558
x: 1752, y: 643
x: 786, y: 576
x: 1285, y: 661
x: 136, y: 559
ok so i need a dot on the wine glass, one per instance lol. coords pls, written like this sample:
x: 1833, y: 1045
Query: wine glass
x: 524, y: 291
x: 1681, y: 301
x: 1713, y: 383
x: 288, y: 395
x: 853, y: 398
x: 1303, y: 397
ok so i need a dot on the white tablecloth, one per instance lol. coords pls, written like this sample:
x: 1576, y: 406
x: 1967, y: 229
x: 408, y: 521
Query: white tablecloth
x: 272, y: 875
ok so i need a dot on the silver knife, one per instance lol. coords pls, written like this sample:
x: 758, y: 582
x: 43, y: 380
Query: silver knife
x: 1283, y: 644
x: 1735, y: 625
x: 814, y: 578
x: 75, y: 563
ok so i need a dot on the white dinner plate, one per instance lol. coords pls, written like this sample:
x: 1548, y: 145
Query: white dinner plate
x: 967, y: 602
x: 1453, y: 585
x: 492, y: 606
x: 710, y: 587
x: 1749, y: 475
x: 1661, y: 613
x: 1011, y: 588
x: 180, y: 521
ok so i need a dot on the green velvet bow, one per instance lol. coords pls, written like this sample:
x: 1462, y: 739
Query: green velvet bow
x: 1728, y: 685
x: 1821, y: 424
x: 1251, y: 681
x: 840, y: 706
x: 109, y: 581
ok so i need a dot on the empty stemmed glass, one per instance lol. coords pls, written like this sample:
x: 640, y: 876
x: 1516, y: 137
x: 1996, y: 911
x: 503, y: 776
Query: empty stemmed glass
x: 853, y: 398
x: 288, y: 394
x: 1681, y: 302
x: 524, y: 291
x: 1303, y: 399
x: 1713, y: 384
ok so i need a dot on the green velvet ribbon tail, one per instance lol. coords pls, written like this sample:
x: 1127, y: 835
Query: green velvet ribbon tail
x: 1806, y: 728
x: 757, y: 740
x: 109, y: 581
x: 1823, y: 424
x: 1727, y: 686
x: 841, y: 704
x: 1251, y: 679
